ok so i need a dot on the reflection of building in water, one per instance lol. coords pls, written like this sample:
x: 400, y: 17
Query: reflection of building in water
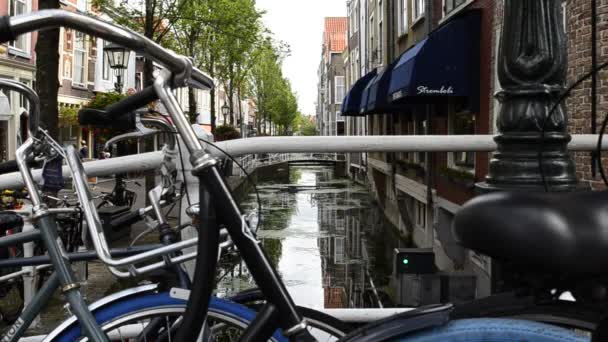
x: 344, y: 264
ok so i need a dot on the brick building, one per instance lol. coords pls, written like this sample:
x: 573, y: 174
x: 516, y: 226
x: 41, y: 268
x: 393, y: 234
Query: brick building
x: 331, y: 87
x: 577, y: 20
x: 420, y: 192
x: 17, y: 62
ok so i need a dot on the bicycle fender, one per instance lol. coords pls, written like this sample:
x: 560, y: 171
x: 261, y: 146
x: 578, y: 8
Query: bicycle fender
x: 401, y: 324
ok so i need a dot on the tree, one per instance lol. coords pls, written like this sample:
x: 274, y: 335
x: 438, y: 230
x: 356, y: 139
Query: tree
x: 237, y: 41
x: 266, y: 80
x: 47, y: 69
x: 284, y: 107
x: 220, y: 36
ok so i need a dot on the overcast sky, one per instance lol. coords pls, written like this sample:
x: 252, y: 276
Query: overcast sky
x: 300, y: 24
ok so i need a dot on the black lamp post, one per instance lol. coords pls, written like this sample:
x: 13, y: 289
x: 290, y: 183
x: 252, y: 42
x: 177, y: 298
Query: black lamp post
x: 225, y: 110
x: 118, y: 58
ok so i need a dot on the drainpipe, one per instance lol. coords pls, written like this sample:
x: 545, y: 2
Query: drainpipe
x: 430, y: 165
x: 594, y: 159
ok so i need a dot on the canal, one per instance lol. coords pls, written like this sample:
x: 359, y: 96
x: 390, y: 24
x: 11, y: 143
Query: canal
x: 326, y: 236
x: 328, y: 239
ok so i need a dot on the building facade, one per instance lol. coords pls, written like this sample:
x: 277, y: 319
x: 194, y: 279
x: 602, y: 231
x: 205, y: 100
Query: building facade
x: 17, y: 62
x: 420, y: 192
x: 332, y: 86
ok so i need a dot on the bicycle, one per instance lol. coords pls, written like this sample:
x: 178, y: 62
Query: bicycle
x: 80, y: 180
x: 279, y: 310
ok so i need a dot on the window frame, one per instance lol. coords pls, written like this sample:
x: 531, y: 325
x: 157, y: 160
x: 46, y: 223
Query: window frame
x: 452, y: 156
x: 403, y: 17
x: 420, y: 214
x: 27, y: 38
x: 105, y: 62
x: 83, y: 50
x: 419, y: 7
x: 339, y: 99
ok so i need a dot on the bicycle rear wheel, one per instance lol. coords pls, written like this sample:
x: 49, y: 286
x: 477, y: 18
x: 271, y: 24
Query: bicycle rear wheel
x: 496, y: 330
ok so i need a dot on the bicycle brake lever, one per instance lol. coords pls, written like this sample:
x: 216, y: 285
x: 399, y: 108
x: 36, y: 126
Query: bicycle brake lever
x: 141, y: 131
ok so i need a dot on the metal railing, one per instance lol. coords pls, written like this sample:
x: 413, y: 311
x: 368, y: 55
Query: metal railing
x: 251, y: 162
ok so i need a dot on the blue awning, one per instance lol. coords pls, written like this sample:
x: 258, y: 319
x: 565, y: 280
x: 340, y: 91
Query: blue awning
x: 351, y: 105
x: 445, y: 64
x: 377, y: 101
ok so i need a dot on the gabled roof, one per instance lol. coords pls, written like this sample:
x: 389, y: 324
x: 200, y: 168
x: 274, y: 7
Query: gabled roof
x: 335, y: 34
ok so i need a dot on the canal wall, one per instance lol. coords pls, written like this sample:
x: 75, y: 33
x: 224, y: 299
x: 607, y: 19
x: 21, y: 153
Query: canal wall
x: 241, y: 187
x: 426, y: 219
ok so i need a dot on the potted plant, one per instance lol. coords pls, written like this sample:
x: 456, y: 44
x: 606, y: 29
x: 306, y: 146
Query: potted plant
x: 457, y: 176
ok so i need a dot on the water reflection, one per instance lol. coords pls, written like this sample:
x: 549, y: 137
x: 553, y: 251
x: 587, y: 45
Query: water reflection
x: 328, y: 240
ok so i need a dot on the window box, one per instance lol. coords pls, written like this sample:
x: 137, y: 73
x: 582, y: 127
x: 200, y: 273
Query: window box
x: 456, y: 176
x: 410, y: 169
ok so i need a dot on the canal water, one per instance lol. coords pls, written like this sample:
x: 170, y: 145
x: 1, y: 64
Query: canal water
x: 328, y: 239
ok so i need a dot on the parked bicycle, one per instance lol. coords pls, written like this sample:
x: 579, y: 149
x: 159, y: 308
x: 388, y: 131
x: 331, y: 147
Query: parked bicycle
x: 478, y: 225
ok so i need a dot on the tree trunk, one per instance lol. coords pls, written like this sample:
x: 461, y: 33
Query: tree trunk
x: 231, y: 100
x: 47, y: 69
x: 212, y: 94
x: 192, y: 105
x: 241, y: 116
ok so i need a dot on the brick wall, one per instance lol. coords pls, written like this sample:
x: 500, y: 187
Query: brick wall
x: 578, y: 29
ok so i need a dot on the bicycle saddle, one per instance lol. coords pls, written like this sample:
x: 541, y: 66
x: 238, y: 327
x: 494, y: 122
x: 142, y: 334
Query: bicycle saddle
x: 565, y: 233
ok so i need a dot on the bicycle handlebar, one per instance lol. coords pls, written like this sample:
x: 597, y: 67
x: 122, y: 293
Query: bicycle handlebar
x: 180, y: 66
x: 100, y: 118
x: 131, y: 103
x: 30, y: 95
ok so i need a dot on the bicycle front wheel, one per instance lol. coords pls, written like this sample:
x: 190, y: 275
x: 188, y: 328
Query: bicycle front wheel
x: 151, y: 316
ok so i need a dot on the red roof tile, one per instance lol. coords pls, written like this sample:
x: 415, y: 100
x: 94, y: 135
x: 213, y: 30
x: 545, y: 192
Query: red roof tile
x: 335, y: 34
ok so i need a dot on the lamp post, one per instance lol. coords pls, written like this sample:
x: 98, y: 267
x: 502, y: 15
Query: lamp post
x: 118, y: 58
x: 225, y: 110
x: 532, y: 74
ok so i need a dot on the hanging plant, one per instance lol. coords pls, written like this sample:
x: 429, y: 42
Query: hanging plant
x: 102, y: 100
x: 68, y: 116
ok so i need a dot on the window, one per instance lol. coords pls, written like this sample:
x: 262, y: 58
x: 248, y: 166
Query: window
x: 23, y: 102
x: 418, y: 6
x: 420, y: 214
x: 339, y: 80
x: 356, y: 21
x: 339, y: 249
x: 79, y: 60
x: 105, y: 65
x: 22, y: 43
x: 403, y: 17
x: 380, y: 11
x: 339, y: 116
x: 372, y: 52
x: 462, y: 122
x: 380, y: 43
x: 420, y: 129
x: 451, y: 5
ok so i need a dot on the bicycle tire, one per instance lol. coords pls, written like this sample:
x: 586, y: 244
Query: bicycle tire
x: 146, y: 306
x: 494, y: 330
x: 254, y: 299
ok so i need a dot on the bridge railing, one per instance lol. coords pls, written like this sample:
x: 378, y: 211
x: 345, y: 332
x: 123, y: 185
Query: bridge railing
x: 251, y: 162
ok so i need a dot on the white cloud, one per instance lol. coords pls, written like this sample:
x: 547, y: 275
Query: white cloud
x: 300, y: 24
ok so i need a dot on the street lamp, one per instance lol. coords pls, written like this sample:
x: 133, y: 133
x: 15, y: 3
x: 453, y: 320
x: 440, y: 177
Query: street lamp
x: 225, y: 110
x: 118, y: 58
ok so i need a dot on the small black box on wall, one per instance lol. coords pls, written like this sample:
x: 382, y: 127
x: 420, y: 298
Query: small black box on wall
x: 414, y: 261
